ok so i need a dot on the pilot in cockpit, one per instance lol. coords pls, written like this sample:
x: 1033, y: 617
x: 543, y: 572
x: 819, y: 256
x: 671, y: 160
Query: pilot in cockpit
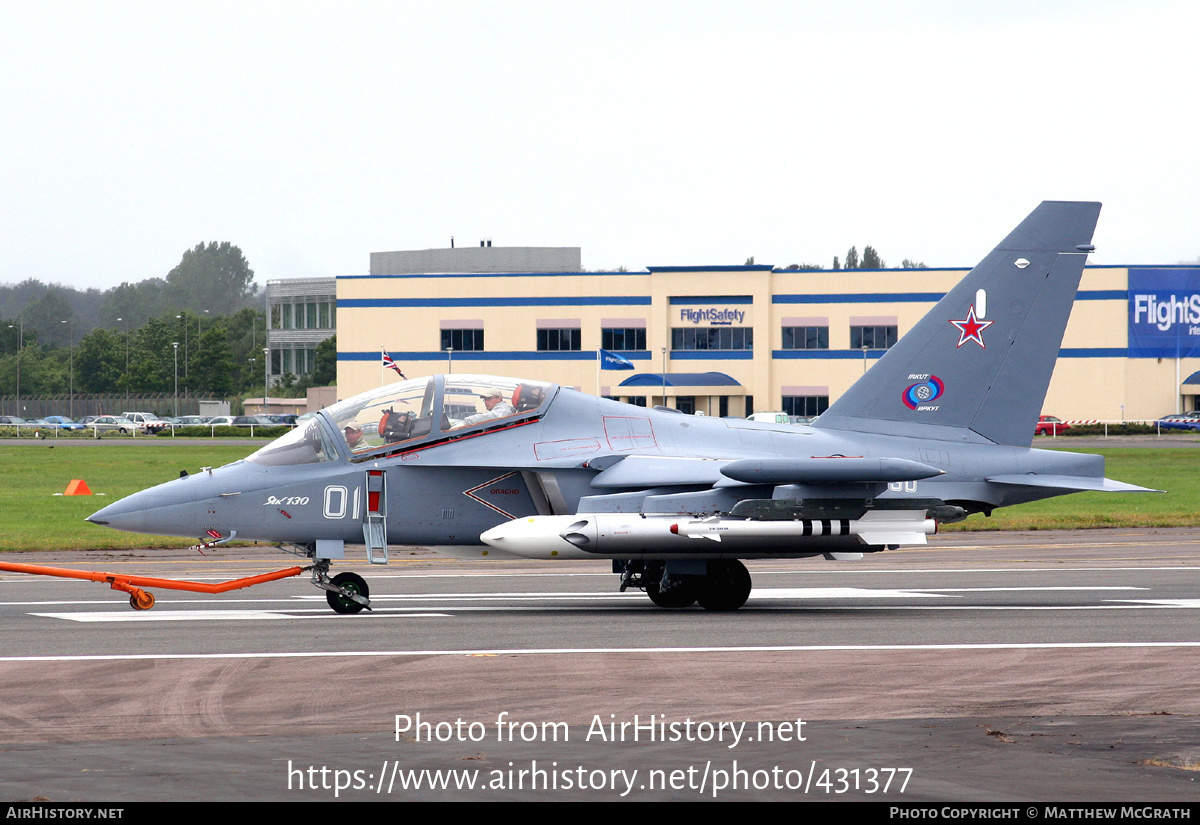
x: 497, y: 407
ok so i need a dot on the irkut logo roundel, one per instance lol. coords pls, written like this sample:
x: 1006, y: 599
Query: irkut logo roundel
x: 919, y: 395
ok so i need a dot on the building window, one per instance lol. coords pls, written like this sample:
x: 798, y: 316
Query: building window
x: 558, y: 340
x: 872, y: 337
x: 715, y: 338
x: 805, y: 405
x: 463, y: 340
x: 303, y: 315
x: 623, y: 339
x: 806, y: 337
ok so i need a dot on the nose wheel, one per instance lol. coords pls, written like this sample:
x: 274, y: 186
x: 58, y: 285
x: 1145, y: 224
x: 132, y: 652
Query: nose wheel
x: 349, y: 586
x: 346, y: 593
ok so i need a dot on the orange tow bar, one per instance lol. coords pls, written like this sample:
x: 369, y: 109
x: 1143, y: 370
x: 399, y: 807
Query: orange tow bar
x: 143, y: 599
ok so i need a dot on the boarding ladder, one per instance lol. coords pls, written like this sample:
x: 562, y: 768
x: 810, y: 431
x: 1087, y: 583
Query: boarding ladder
x: 375, y: 521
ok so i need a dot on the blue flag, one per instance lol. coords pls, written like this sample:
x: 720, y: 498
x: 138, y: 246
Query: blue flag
x: 612, y: 361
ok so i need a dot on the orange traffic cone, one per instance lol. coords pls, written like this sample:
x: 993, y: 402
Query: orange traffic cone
x: 77, y: 487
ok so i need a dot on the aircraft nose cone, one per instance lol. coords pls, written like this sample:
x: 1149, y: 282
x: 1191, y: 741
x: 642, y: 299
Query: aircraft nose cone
x: 149, y: 511
x: 118, y: 515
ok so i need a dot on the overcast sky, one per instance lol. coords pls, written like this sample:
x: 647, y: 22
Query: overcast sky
x: 647, y: 133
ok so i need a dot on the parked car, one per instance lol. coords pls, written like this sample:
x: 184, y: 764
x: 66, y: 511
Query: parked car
x: 240, y: 421
x: 770, y: 417
x: 108, y: 423
x: 148, y: 421
x: 64, y: 423
x: 253, y: 420
x: 12, y: 420
x: 1049, y: 425
x: 1181, y: 421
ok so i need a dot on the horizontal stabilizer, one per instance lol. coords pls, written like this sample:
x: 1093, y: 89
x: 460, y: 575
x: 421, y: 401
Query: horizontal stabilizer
x: 1077, y: 484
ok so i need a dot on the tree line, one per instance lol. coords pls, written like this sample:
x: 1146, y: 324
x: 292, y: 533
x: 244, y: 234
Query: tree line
x: 54, y: 338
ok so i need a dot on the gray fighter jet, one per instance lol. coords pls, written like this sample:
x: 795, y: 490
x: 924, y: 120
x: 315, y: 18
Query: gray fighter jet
x: 938, y: 429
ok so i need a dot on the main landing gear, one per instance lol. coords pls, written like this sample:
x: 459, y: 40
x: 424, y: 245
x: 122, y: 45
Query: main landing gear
x: 346, y: 593
x: 720, y: 585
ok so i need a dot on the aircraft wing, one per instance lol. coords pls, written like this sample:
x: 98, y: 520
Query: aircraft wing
x: 661, y: 471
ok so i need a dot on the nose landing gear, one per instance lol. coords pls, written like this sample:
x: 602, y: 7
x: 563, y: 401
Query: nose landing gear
x: 347, y: 592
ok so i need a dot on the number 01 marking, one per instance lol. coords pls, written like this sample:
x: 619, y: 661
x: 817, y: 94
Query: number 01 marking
x: 335, y: 501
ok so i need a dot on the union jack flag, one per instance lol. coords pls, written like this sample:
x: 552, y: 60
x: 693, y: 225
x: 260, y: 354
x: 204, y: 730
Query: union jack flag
x: 389, y: 364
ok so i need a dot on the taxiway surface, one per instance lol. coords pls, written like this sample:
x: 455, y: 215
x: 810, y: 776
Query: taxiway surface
x: 1049, y: 666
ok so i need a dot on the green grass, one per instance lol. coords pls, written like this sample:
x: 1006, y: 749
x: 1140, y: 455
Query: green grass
x: 33, y: 518
x: 1171, y: 469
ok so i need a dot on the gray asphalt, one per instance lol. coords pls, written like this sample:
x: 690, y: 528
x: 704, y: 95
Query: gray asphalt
x: 999, y: 667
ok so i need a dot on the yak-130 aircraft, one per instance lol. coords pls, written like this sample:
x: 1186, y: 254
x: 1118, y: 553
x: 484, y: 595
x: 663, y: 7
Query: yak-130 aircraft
x: 938, y: 429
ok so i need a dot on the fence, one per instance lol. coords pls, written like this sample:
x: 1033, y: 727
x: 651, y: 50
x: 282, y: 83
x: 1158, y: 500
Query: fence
x: 1095, y: 427
x: 108, y: 404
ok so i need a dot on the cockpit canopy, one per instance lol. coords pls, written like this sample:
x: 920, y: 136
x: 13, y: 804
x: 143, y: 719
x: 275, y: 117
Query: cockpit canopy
x: 409, y: 413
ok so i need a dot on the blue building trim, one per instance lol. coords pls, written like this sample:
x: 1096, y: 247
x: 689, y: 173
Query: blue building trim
x: 846, y: 354
x: 921, y: 297
x: 440, y: 275
x: 712, y: 354
x: 1094, y: 352
x: 825, y: 354
x: 1102, y: 295
x: 747, y: 268
x: 676, y: 300
x: 863, y: 298
x: 470, y: 355
x: 411, y: 303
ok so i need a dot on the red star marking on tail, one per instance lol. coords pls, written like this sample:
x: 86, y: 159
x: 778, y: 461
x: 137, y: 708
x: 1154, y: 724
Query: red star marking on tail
x: 971, y: 329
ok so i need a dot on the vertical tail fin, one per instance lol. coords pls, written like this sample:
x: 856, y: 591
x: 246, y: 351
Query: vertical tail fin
x: 980, y: 361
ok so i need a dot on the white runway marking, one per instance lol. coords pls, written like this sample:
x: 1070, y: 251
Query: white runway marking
x: 165, y: 615
x: 772, y: 593
x: 637, y: 595
x: 625, y: 651
x: 449, y: 604
x: 1166, y: 602
x: 208, y: 615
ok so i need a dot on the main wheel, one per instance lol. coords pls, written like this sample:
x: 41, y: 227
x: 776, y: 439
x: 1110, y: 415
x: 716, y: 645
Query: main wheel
x: 726, y: 587
x: 352, y: 582
x: 681, y: 595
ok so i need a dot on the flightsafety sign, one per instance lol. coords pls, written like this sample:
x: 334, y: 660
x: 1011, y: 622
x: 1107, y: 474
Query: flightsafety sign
x: 1164, y: 313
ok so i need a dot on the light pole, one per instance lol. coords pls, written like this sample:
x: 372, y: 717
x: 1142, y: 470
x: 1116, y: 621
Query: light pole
x: 126, y: 375
x: 71, y: 332
x: 20, y: 346
x: 664, y: 375
x: 251, y: 362
x: 449, y: 360
x: 266, y: 376
x: 185, y: 345
x: 175, y: 344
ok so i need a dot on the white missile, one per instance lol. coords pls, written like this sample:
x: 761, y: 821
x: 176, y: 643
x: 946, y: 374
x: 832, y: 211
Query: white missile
x: 588, y: 535
x: 875, y: 527
x: 536, y: 537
